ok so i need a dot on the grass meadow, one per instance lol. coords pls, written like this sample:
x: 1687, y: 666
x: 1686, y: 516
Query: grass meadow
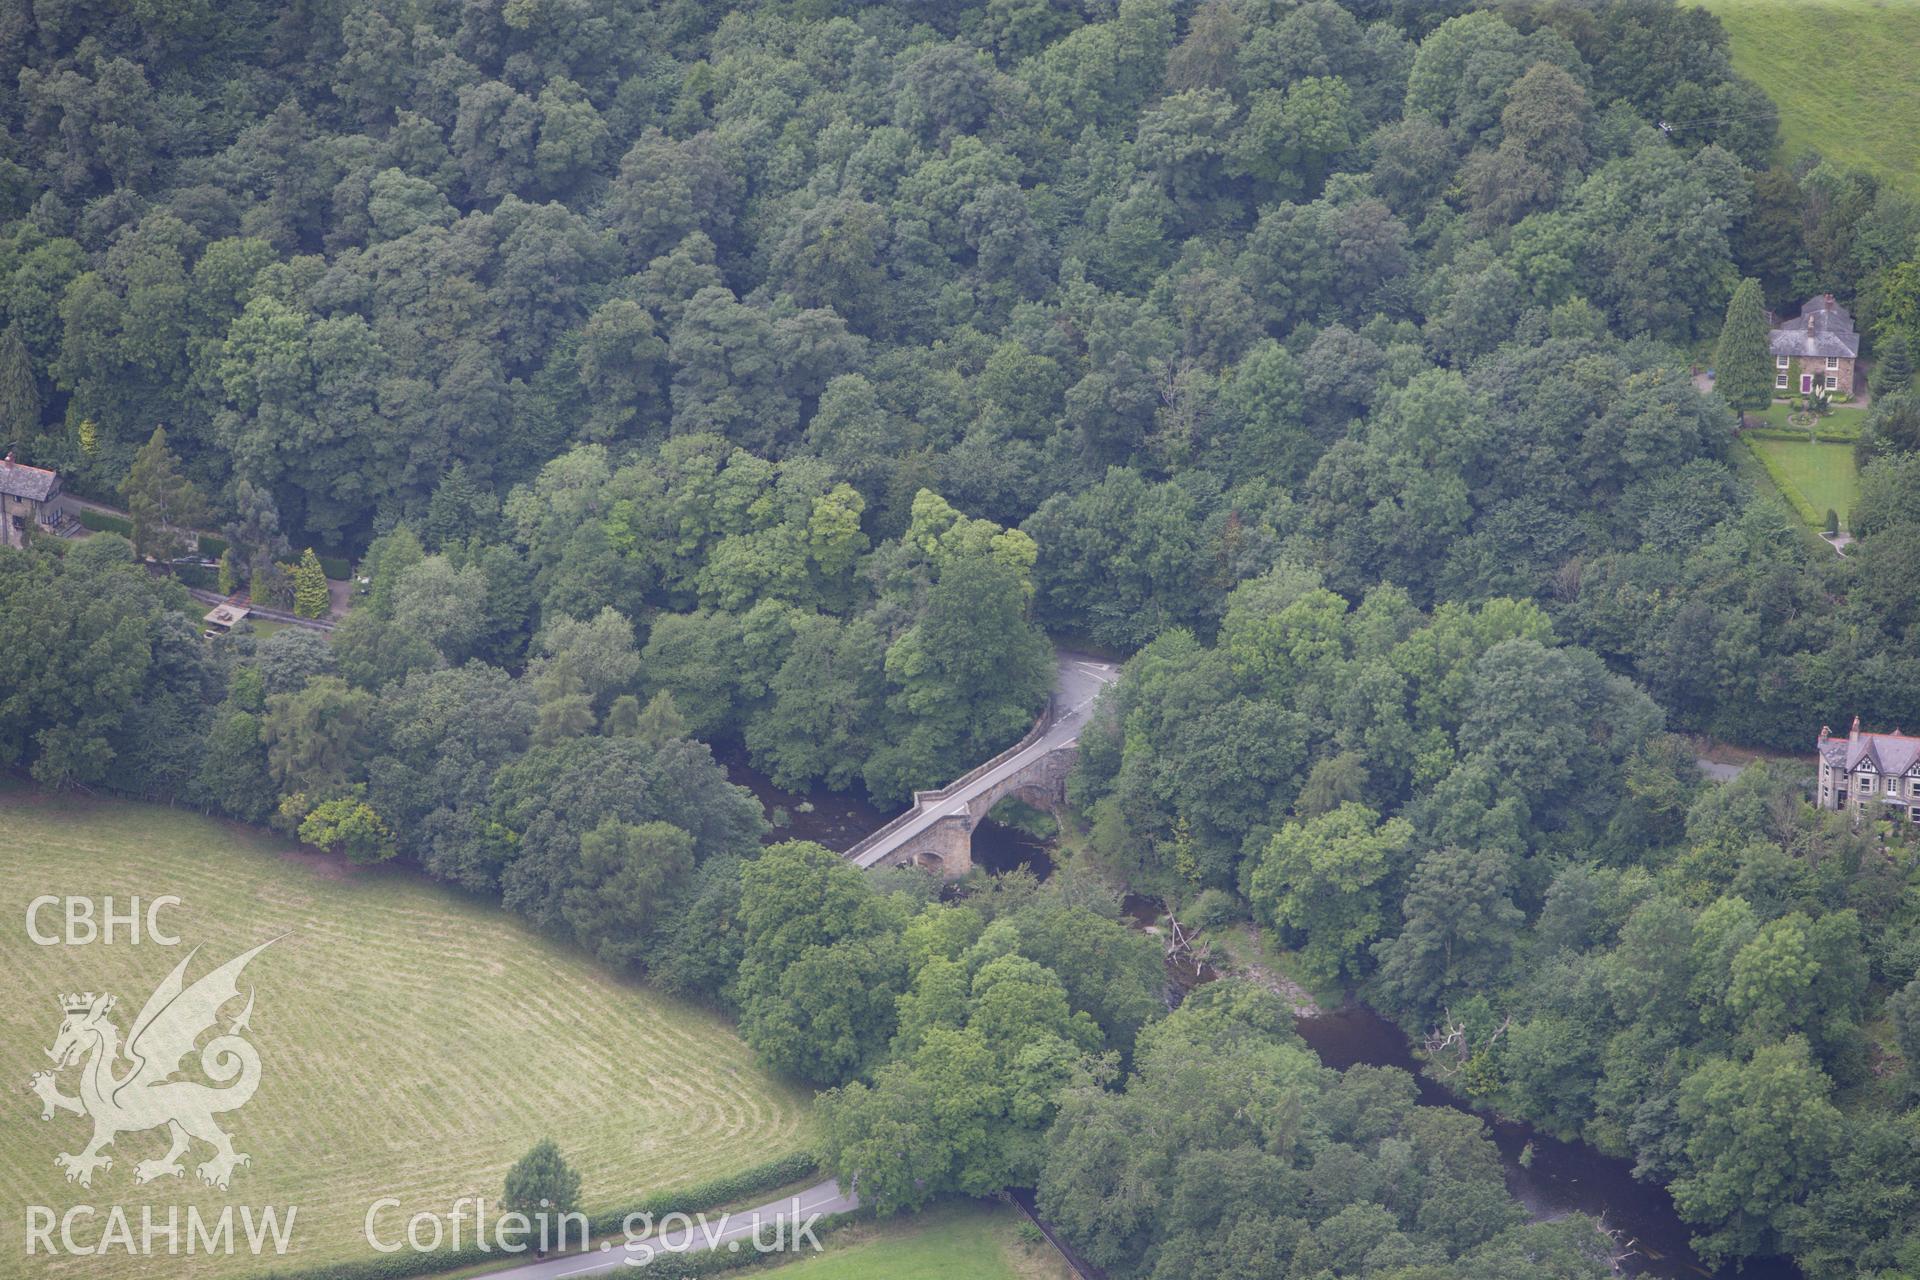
x: 954, y: 1242
x: 1845, y: 75
x: 414, y: 1042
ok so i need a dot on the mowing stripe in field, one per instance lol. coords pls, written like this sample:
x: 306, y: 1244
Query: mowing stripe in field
x: 414, y: 1041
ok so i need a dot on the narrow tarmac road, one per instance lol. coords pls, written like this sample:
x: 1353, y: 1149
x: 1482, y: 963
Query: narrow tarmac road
x: 1078, y: 680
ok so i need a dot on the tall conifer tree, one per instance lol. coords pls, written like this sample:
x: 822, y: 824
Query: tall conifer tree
x: 1742, y: 362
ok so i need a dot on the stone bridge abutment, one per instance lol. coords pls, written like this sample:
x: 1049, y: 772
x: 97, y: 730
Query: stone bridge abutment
x: 937, y: 831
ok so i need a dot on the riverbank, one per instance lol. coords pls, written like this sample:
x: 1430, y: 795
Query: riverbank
x: 1550, y: 1178
x: 1546, y: 1176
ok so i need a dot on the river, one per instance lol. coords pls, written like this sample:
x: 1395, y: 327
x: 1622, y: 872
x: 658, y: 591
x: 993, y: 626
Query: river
x: 1560, y: 1177
x: 1551, y: 1180
x: 839, y: 820
x: 1557, y: 1178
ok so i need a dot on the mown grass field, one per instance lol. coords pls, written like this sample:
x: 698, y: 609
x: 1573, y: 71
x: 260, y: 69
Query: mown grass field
x: 957, y: 1242
x: 1823, y: 473
x: 1845, y: 73
x: 414, y: 1042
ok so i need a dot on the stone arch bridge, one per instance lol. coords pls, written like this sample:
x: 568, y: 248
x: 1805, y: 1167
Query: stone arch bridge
x: 937, y: 832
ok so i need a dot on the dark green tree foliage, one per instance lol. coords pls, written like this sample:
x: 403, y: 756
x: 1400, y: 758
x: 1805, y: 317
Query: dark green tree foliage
x: 458, y: 509
x: 542, y: 1181
x: 1325, y: 884
x: 1009, y: 997
x: 1460, y: 924
x: 630, y: 877
x: 822, y: 964
x: 547, y: 803
x: 90, y: 633
x: 1111, y: 972
x: 1905, y: 1009
x: 962, y: 1107
x: 1758, y: 1134
x: 254, y: 540
x: 1743, y: 366
x: 1231, y: 1152
x: 1119, y: 559
x: 232, y: 774
x: 463, y: 241
x: 1893, y: 375
x: 702, y: 946
x: 792, y: 371
x: 317, y: 738
x: 19, y: 389
x: 443, y: 735
x: 967, y: 676
x: 164, y: 504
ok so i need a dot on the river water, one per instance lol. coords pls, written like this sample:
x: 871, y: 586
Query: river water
x: 839, y: 820
x: 1560, y: 1177
x: 1549, y: 1178
x: 1556, y: 1179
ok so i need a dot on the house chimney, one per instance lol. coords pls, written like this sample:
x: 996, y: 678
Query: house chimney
x: 1855, y: 731
x: 1809, y: 322
x: 1826, y: 731
x: 9, y: 457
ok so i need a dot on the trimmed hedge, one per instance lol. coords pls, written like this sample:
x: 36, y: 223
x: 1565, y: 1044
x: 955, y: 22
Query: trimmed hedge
x: 101, y: 522
x: 765, y: 1177
x: 1787, y: 488
x: 1793, y: 434
x: 211, y: 545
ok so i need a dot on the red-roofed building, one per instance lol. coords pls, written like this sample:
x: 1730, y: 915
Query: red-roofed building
x: 28, y: 496
x: 1871, y: 774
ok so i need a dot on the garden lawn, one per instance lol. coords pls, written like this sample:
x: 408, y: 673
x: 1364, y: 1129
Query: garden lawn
x: 1822, y: 473
x: 1835, y: 422
x: 954, y: 1242
x: 414, y: 1042
x: 1844, y: 73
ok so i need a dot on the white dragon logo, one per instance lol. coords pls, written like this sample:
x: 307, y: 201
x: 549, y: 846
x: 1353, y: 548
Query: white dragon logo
x: 145, y: 1096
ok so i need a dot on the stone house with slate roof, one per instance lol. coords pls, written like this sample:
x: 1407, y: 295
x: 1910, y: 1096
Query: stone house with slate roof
x: 1817, y: 349
x: 1871, y: 774
x: 27, y: 495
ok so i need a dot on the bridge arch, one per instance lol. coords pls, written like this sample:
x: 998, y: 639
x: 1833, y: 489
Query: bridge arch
x: 936, y: 832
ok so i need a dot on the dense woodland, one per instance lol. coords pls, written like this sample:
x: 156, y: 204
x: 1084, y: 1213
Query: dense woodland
x: 784, y: 375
